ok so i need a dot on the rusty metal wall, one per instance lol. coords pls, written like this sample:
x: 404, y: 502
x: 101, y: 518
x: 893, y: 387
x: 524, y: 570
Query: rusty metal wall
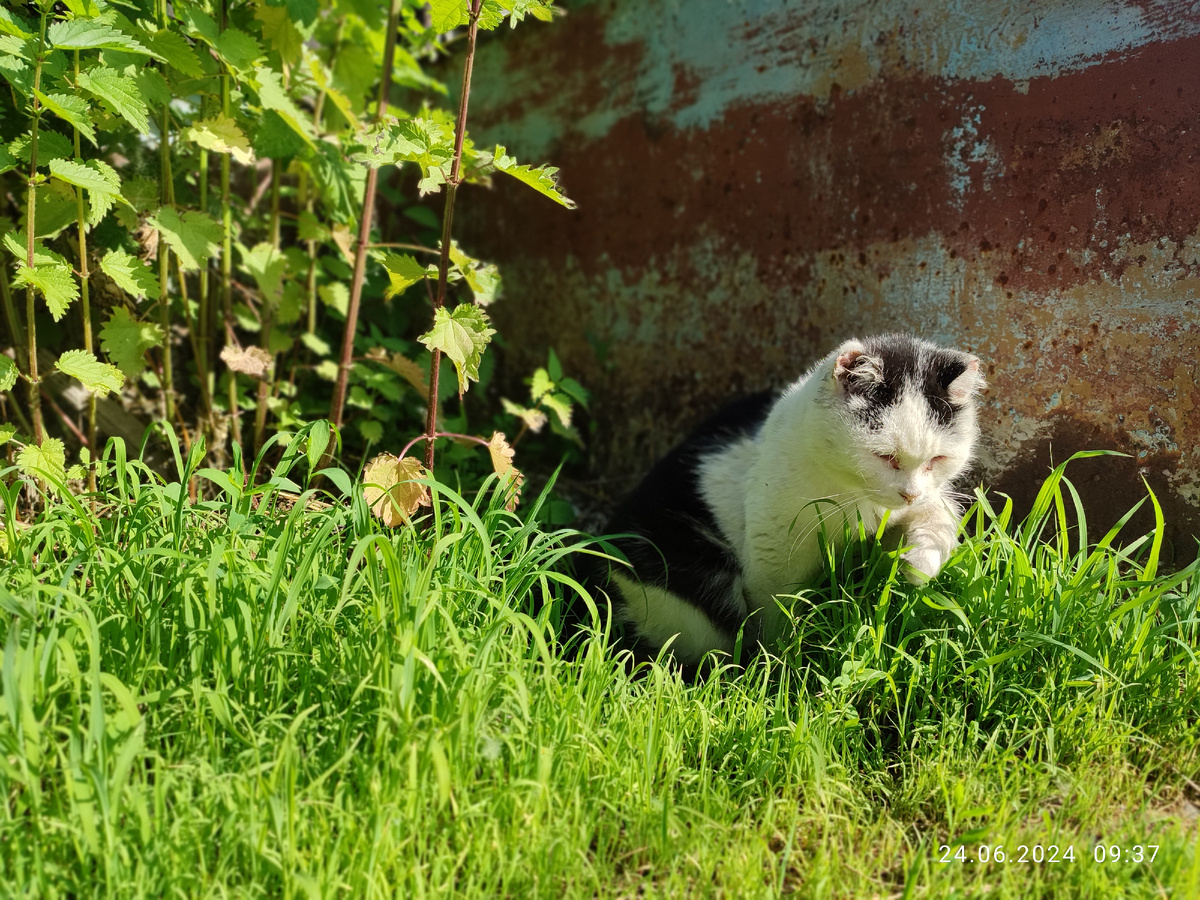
x: 758, y: 180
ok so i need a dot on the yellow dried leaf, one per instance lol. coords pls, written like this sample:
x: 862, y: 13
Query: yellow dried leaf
x: 404, y: 367
x: 390, y: 490
x: 501, y: 453
x: 502, y: 461
x: 345, y: 241
x: 253, y: 361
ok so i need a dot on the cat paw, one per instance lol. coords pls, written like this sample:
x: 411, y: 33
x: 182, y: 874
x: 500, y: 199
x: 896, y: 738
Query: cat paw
x: 920, y: 565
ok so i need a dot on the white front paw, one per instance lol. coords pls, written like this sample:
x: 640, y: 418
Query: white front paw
x: 921, y: 564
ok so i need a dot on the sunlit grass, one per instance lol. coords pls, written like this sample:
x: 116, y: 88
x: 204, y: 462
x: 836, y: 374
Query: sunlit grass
x: 252, y: 697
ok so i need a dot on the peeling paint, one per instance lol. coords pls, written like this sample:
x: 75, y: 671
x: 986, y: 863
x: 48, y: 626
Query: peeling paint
x: 757, y: 181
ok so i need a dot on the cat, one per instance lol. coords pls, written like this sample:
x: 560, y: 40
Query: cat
x: 730, y: 517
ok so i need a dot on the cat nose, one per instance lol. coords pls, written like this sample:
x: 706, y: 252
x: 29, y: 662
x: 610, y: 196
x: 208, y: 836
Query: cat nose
x: 909, y: 498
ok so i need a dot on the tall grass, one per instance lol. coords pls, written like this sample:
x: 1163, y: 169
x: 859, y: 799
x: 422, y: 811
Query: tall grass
x: 260, y: 695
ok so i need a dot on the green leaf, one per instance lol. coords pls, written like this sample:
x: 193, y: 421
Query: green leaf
x: 280, y: 33
x: 6, y: 433
x: 88, y: 34
x: 335, y: 295
x: 272, y: 96
x: 540, y: 179
x: 71, y: 108
x: 221, y: 134
x: 51, y: 145
x: 55, y: 282
x: 98, y: 377
x: 46, y: 462
x: 8, y: 162
x: 15, y: 242
x: 14, y: 25
x: 126, y: 340
x: 266, y: 265
x: 403, y: 271
x: 8, y: 373
x: 560, y: 404
x: 539, y: 386
x: 575, y: 390
x: 130, y: 273
x: 91, y: 174
x: 178, y: 53
x: 370, y: 430
x: 237, y: 48
x: 425, y: 141
x: 275, y: 139
x: 56, y: 208
x: 462, y: 335
x: 447, y: 14
x: 119, y: 93
x: 193, y: 236
x: 482, y: 278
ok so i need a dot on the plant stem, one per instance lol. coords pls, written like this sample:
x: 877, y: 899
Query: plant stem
x: 164, y: 264
x: 235, y: 420
x: 268, y: 316
x: 203, y: 339
x: 35, y: 396
x: 85, y: 300
x: 460, y: 130
x: 364, y: 232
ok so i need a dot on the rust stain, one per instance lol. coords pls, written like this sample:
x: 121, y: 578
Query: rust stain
x: 1052, y: 225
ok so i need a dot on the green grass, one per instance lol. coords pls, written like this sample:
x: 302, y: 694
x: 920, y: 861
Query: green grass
x: 245, y: 697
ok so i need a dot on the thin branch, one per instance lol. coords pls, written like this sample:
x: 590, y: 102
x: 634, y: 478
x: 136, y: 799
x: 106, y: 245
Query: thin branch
x: 460, y: 132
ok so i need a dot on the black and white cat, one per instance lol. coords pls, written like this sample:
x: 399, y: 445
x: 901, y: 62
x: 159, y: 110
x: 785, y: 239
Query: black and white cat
x: 730, y: 517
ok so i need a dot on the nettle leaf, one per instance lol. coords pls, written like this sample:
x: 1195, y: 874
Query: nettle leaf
x: 426, y: 142
x: 560, y: 405
x: 193, y: 236
x: 176, y: 51
x: 8, y: 373
x: 540, y: 179
x: 48, y: 462
x: 403, y: 271
x: 335, y: 295
x: 272, y: 96
x: 126, y: 341
x: 534, y: 419
x: 266, y: 265
x: 118, y: 93
x: 8, y: 162
x: 462, y: 335
x: 71, y: 108
x: 88, y: 34
x: 14, y: 25
x: 6, y: 433
x: 42, y: 256
x: 131, y: 274
x: 198, y: 23
x: 56, y: 208
x: 237, y: 49
x: 279, y: 32
x: 98, y: 377
x: 221, y: 134
x: 447, y: 14
x: 51, y: 145
x: 16, y: 71
x: 55, y: 282
x: 542, y: 10
x: 94, y: 175
x: 482, y: 278
x: 390, y: 491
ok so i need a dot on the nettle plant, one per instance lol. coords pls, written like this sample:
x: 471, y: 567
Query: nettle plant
x: 192, y: 186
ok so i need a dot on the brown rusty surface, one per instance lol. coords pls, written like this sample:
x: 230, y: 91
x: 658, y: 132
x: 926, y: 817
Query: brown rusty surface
x: 1049, y: 224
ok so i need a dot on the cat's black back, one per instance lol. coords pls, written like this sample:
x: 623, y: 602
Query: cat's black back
x: 676, y: 543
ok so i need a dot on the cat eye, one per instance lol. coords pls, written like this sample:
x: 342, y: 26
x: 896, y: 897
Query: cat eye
x: 890, y: 459
x: 937, y: 459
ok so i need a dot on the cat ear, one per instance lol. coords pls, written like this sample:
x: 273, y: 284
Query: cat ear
x: 965, y: 382
x: 854, y: 370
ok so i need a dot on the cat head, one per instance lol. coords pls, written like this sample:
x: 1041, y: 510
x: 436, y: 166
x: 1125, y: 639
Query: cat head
x: 907, y: 412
